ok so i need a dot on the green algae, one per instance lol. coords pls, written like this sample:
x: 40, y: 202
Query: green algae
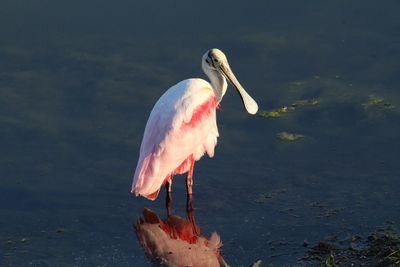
x: 273, y: 113
x: 289, y: 137
x: 377, y: 103
x: 286, y: 109
x: 378, y: 108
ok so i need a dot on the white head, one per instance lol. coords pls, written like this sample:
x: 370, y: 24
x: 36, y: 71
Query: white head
x: 215, y: 66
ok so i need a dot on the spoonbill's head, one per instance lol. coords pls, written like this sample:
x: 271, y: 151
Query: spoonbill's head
x: 215, y: 65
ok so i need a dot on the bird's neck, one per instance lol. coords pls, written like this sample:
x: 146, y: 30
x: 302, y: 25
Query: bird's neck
x: 219, y: 85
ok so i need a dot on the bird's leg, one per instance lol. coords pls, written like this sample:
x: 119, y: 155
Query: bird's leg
x: 190, y: 213
x: 189, y: 178
x: 189, y: 197
x: 168, y: 200
x: 168, y: 185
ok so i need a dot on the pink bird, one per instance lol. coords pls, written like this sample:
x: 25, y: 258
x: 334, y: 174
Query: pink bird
x: 182, y: 127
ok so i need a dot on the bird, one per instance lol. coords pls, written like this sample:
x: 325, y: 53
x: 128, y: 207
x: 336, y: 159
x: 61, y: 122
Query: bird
x: 182, y: 127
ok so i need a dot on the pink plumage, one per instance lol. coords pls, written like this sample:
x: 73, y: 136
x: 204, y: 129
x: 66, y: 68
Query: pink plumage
x: 181, y: 128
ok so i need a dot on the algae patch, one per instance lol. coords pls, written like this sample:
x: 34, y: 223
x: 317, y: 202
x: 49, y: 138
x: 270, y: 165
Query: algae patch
x: 377, y: 107
x: 289, y: 137
x: 377, y: 102
x: 286, y: 109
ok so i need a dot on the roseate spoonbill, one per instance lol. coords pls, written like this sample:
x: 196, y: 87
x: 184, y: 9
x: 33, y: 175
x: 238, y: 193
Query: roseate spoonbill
x: 182, y: 127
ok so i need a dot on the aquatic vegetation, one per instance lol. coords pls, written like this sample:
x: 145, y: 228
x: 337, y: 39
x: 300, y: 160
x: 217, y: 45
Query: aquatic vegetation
x: 305, y: 102
x: 289, y: 137
x: 373, y: 100
x: 377, y: 102
x: 384, y: 244
x: 377, y: 107
x: 285, y: 109
x: 275, y: 113
x: 381, y: 248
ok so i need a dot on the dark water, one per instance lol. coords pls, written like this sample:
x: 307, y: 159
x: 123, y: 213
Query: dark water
x: 78, y: 80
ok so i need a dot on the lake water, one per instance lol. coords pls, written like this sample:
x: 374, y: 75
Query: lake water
x: 78, y: 81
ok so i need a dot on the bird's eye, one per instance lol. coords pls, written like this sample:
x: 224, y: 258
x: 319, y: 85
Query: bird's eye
x: 216, y: 60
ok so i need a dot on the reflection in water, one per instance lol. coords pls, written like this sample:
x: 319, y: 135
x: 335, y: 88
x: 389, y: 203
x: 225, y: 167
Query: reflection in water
x: 177, y: 241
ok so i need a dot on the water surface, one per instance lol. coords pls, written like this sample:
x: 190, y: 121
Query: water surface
x: 78, y: 80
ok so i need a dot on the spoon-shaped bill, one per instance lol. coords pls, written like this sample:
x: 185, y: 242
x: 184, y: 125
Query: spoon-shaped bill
x: 248, y: 102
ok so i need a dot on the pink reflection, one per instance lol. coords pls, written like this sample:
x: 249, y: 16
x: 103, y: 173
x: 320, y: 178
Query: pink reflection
x: 176, y: 241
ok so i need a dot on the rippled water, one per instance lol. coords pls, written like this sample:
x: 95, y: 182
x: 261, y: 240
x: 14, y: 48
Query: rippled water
x: 78, y: 80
